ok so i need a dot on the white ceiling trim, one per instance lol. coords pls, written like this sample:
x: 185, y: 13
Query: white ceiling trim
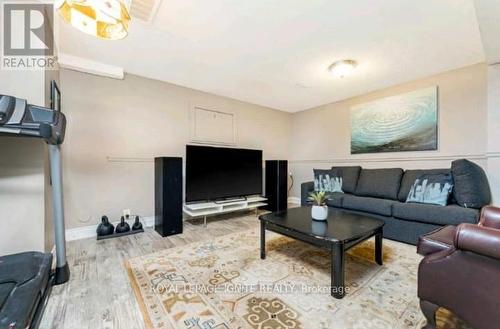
x: 84, y: 65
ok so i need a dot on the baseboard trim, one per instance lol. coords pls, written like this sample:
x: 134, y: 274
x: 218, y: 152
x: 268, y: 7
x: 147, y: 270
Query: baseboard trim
x: 89, y: 231
x: 293, y: 200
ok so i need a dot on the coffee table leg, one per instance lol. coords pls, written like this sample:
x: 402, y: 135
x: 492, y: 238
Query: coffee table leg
x: 378, y: 248
x: 262, y: 240
x: 337, y: 271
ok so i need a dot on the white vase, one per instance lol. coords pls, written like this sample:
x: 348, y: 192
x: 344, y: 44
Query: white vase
x: 319, y: 212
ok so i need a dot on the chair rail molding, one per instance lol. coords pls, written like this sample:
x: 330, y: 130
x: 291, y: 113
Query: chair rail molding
x: 413, y: 158
x: 130, y: 159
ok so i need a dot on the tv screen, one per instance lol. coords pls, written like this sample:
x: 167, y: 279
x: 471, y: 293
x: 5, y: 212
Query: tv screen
x: 217, y: 172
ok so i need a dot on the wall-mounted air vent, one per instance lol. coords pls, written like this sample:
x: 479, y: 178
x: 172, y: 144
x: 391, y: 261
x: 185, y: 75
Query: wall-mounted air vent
x: 144, y: 9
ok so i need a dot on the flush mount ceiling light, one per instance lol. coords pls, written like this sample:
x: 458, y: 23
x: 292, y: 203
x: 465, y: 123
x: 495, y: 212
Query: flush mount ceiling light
x: 105, y: 19
x: 342, y: 68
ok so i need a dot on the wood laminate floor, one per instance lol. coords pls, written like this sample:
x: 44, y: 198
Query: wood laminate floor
x: 99, y: 296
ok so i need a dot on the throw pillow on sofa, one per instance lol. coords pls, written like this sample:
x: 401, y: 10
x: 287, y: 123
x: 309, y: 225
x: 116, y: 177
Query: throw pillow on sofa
x: 431, y: 189
x: 471, y: 184
x: 411, y: 175
x: 327, y: 180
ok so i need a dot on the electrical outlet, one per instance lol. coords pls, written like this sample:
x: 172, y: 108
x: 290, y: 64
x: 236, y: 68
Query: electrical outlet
x: 127, y: 213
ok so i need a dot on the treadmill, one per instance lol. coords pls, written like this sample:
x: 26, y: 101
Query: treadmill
x: 26, y: 278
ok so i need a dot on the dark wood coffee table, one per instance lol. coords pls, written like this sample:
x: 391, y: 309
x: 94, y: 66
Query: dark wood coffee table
x: 340, y: 232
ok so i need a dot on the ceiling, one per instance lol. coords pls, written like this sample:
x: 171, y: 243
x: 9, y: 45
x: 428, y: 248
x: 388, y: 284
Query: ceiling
x: 276, y: 53
x: 488, y: 15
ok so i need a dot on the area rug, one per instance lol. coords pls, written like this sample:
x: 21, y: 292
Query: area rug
x: 223, y: 283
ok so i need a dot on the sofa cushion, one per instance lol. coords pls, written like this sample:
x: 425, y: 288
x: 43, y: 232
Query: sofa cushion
x: 427, y: 213
x: 410, y: 176
x: 471, y: 184
x: 379, y: 183
x: 350, y: 175
x: 372, y: 205
x: 335, y: 199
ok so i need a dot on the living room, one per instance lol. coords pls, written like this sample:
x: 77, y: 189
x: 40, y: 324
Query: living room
x: 310, y: 91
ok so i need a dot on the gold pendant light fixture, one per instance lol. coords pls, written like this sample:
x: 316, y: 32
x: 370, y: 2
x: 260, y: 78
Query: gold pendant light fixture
x: 105, y: 19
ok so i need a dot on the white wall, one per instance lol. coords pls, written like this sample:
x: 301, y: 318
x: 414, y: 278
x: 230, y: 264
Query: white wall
x: 22, y: 209
x: 116, y: 127
x: 25, y: 200
x: 494, y: 130
x: 321, y: 136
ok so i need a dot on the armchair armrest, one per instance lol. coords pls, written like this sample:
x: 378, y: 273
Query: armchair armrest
x: 305, y: 189
x: 478, y: 239
x: 490, y: 217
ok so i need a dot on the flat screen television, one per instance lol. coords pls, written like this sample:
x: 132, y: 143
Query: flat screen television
x: 215, y: 173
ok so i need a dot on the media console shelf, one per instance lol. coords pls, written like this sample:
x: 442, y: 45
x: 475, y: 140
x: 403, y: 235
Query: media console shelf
x: 204, y: 209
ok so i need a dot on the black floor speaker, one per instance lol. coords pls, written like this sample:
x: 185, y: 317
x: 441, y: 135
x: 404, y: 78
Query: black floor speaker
x: 276, y: 185
x: 168, y: 196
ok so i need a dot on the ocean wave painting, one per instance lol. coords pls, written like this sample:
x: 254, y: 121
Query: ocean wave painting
x: 406, y: 122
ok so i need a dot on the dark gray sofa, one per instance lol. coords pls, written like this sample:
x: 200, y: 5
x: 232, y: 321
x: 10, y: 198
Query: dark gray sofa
x: 382, y: 193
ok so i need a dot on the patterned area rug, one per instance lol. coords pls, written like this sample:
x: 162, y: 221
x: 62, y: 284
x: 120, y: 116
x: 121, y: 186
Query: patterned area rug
x: 224, y: 284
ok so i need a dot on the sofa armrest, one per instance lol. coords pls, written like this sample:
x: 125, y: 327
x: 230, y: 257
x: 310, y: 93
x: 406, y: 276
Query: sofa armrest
x: 478, y: 239
x: 490, y: 217
x: 305, y: 189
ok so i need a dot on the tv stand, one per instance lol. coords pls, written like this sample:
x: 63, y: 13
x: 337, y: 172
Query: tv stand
x: 205, y: 209
x: 223, y: 201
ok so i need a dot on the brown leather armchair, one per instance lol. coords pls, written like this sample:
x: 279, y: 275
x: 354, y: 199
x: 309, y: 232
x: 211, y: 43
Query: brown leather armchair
x: 464, y: 275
